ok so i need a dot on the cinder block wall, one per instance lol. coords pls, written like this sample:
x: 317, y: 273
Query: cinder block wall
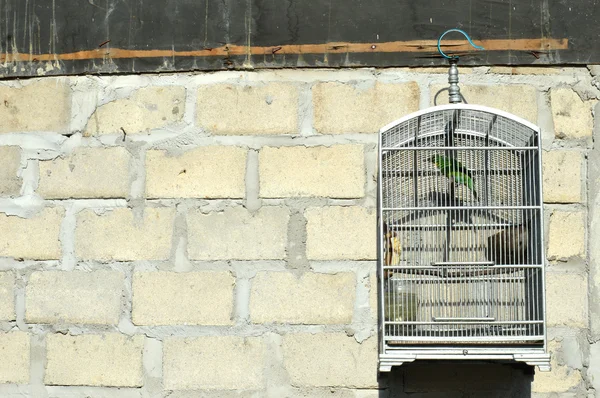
x: 198, y: 234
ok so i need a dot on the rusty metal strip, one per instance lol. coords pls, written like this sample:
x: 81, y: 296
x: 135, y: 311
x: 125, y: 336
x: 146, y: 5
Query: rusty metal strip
x: 414, y: 46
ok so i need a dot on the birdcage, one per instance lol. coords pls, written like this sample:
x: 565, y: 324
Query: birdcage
x: 462, y: 258
x: 461, y: 235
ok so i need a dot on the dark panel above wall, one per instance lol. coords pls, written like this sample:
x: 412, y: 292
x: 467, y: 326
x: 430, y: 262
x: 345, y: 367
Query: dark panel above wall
x: 123, y: 36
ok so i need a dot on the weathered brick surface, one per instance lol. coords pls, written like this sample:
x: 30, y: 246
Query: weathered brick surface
x: 572, y: 116
x: 94, y: 360
x: 17, y: 235
x: 295, y: 342
x: 345, y: 108
x: 323, y: 392
x: 592, y: 377
x: 236, y: 234
x: 560, y: 379
x: 566, y: 236
x: 525, y: 70
x: 205, y: 172
x: 116, y: 235
x: 146, y: 109
x: 7, y: 296
x: 40, y: 105
x: 330, y: 359
x: 214, y: 362
x: 341, y: 233
x: 10, y: 162
x: 14, y: 351
x: 193, y: 298
x: 337, y: 171
x: 562, y: 176
x: 74, y: 297
x: 86, y: 173
x: 567, y: 302
x: 373, y: 294
x: 248, y: 110
x: 516, y: 99
x: 308, y: 299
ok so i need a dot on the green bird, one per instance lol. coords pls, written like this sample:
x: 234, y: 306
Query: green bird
x: 454, y: 170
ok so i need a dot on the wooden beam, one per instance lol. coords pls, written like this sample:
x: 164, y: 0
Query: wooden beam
x: 414, y: 46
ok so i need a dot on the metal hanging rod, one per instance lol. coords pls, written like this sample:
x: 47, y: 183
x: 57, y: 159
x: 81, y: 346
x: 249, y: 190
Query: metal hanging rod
x: 454, y: 94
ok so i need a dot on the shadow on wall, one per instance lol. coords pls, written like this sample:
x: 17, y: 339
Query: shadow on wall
x: 457, y: 380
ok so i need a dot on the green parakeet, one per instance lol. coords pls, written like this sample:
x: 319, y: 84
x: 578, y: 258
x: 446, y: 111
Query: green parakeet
x: 454, y: 170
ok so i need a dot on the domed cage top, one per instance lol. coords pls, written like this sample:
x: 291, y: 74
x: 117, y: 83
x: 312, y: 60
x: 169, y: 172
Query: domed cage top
x: 461, y: 237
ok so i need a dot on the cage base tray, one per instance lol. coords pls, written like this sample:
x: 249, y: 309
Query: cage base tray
x: 474, y: 343
x: 466, y: 331
x: 387, y: 361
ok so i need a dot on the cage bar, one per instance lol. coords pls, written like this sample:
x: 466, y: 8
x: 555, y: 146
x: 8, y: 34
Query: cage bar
x: 462, y: 258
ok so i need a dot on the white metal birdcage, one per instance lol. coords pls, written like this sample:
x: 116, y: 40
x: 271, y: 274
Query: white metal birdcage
x: 461, y: 238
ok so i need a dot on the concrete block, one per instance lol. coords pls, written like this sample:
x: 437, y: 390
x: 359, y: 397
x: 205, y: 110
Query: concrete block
x: 341, y: 233
x: 337, y: 171
x: 566, y: 300
x: 14, y: 351
x: 7, y: 296
x: 345, y: 108
x: 146, y: 109
x: 374, y: 294
x: 525, y: 70
x: 560, y: 379
x: 86, y: 173
x: 594, y: 70
x: 593, y: 369
x: 117, y: 236
x: 10, y: 162
x: 205, y: 172
x: 316, y: 392
x: 191, y: 298
x: 519, y: 100
x: 17, y: 235
x: 38, y: 105
x: 110, y: 360
x: 214, y: 363
x: 562, y: 176
x: 237, y: 234
x: 74, y: 297
x: 308, y: 299
x: 367, y: 393
x: 226, y: 109
x: 92, y: 392
x: 566, y: 237
x: 330, y: 360
x: 572, y: 116
x: 574, y: 349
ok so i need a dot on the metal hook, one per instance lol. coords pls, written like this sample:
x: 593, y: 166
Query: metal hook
x: 460, y: 31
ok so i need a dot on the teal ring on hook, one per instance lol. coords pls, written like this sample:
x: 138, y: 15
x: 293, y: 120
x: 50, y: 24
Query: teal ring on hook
x: 459, y: 31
